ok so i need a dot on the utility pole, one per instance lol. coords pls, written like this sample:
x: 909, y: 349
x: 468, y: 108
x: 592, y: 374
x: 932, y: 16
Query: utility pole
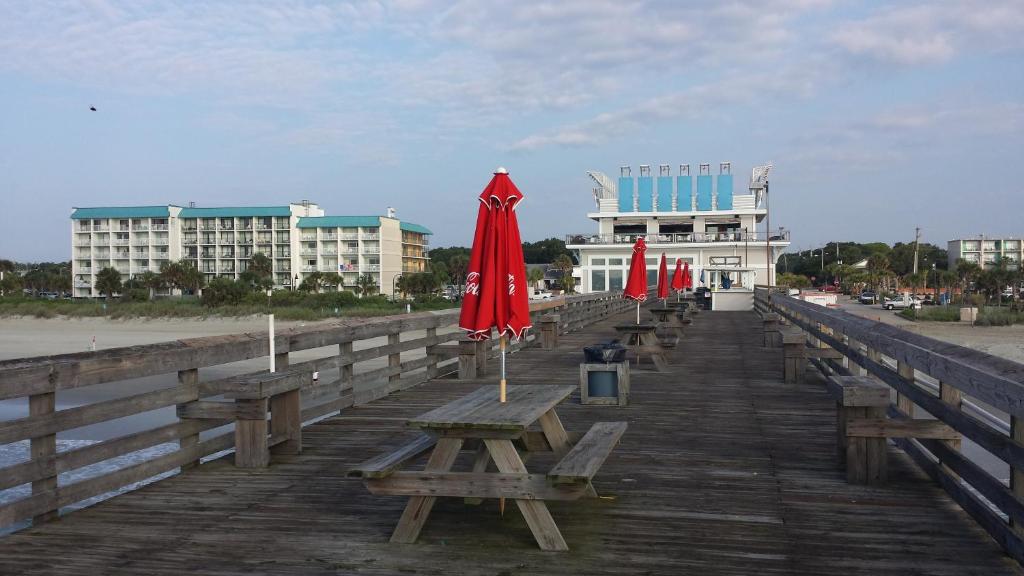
x: 917, y: 238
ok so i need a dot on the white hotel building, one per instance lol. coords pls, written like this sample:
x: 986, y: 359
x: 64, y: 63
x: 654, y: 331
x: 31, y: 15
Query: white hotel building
x: 298, y: 238
x: 698, y: 219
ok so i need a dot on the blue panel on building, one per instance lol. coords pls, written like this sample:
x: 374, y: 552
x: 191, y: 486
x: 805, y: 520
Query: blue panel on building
x: 725, y: 191
x: 664, y: 193
x: 645, y: 194
x: 684, y: 193
x: 625, y: 194
x: 704, y: 187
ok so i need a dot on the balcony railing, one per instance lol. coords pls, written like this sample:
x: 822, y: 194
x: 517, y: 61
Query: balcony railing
x: 120, y: 242
x: 189, y: 241
x: 370, y: 236
x: 140, y: 242
x: 349, y: 236
x: 330, y: 252
x: 158, y: 227
x: 209, y: 227
x: 329, y: 237
x: 227, y: 255
x: 84, y: 270
x: 283, y: 254
x: 160, y: 241
x: 100, y: 229
x: 140, y: 228
x: 370, y: 268
x: 308, y: 237
x: 263, y: 241
x: 245, y: 241
x: 309, y: 268
x: 687, y: 238
x: 80, y: 284
x: 85, y: 242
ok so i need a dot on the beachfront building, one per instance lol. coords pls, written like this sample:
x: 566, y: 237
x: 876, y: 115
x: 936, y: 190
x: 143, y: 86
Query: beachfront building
x: 298, y: 238
x: 986, y: 252
x: 698, y: 218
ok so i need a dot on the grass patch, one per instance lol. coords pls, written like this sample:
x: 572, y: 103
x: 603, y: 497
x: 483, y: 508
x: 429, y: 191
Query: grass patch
x: 933, y: 314
x: 290, y: 309
x: 989, y: 316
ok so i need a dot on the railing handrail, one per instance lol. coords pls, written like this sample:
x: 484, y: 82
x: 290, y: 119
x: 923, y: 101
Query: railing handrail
x: 675, y: 237
x: 996, y: 381
x: 41, y: 377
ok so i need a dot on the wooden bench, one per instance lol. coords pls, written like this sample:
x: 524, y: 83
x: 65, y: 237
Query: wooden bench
x: 581, y: 464
x: 384, y: 465
x: 253, y: 396
x: 862, y: 427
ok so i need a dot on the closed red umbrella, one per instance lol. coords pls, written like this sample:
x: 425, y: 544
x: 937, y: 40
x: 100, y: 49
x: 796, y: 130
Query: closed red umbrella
x: 636, y: 283
x: 663, y: 278
x: 677, y: 278
x: 687, y: 276
x: 496, y: 276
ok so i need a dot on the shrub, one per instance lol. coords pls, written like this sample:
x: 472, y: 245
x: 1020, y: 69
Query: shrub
x: 989, y: 316
x: 933, y: 314
x: 224, y: 292
x: 134, y: 294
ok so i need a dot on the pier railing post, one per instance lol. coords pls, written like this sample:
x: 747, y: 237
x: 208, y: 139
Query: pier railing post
x: 432, y: 355
x: 189, y: 381
x: 1016, y: 474
x: 44, y: 448
x: 467, y: 358
x: 549, y: 331
x: 394, y: 359
x: 345, y: 367
x: 902, y: 402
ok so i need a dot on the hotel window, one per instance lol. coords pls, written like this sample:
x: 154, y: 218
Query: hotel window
x: 597, y: 261
x: 615, y: 261
x: 597, y: 280
x: 652, y: 277
x: 614, y: 280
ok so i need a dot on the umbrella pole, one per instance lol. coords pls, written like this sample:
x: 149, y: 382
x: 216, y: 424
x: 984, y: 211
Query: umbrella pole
x: 637, y: 311
x: 501, y: 389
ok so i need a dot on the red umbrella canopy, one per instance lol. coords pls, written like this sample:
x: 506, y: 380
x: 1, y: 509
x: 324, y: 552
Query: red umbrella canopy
x: 687, y: 276
x: 496, y: 277
x: 677, y: 276
x: 663, y: 278
x: 636, y: 284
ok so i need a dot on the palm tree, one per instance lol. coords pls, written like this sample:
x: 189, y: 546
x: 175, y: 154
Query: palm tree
x: 108, y: 281
x: 967, y: 272
x: 313, y: 282
x: 152, y: 281
x: 564, y: 265
x: 533, y: 276
x: 332, y: 279
x: 182, y: 276
x: 261, y: 266
x: 366, y: 284
x: 458, y: 266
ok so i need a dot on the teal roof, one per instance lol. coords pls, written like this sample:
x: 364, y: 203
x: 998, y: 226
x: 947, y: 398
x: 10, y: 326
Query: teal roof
x: 121, y: 212
x: 339, y: 222
x: 410, y: 227
x: 240, y: 212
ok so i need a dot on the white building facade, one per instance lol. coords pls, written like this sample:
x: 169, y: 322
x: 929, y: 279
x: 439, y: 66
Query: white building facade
x: 986, y: 252
x: 697, y: 219
x: 298, y: 238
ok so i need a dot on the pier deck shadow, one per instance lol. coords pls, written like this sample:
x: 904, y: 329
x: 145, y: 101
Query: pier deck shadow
x: 724, y: 469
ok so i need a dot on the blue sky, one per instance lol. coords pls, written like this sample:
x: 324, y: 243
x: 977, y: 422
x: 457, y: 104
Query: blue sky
x: 879, y: 117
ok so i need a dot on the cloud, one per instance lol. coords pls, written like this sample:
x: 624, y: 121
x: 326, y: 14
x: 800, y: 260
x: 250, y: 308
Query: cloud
x: 931, y: 33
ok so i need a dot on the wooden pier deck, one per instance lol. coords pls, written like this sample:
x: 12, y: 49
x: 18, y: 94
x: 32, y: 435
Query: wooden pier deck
x: 724, y: 470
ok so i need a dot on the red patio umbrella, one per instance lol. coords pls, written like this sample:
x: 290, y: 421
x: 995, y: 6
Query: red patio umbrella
x: 687, y: 276
x: 678, y: 283
x: 636, y: 284
x: 496, y: 277
x: 663, y: 279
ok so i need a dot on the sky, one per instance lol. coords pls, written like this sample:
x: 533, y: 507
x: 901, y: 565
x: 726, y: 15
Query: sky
x: 878, y: 116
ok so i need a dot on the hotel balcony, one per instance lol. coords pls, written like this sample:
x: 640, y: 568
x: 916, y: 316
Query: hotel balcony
x: 100, y: 229
x: 308, y: 238
x: 84, y: 270
x: 140, y: 228
x: 189, y: 241
x: 370, y: 268
x: 159, y: 227
x: 81, y: 284
x: 349, y: 236
x: 85, y: 242
x: 370, y: 236
x: 308, y: 252
x: 309, y: 269
x: 120, y: 242
x: 329, y: 237
x: 582, y: 240
x: 144, y: 241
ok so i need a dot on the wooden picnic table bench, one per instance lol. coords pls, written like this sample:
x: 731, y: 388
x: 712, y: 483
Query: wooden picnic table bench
x: 643, y: 339
x: 479, y: 421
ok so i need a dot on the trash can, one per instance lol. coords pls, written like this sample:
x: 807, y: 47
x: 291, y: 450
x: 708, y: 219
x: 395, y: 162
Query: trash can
x: 604, y: 384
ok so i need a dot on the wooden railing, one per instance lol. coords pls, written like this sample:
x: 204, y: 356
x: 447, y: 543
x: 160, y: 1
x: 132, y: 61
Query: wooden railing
x: 957, y: 385
x: 417, y: 349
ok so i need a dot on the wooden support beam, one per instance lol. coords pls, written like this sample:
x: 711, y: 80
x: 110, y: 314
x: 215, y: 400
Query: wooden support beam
x: 474, y: 486
x: 189, y: 380
x: 900, y: 428
x: 44, y: 448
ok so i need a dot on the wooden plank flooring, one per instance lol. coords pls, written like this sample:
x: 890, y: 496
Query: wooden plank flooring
x: 723, y: 470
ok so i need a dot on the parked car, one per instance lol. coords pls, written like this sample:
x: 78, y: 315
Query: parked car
x: 867, y: 297
x: 901, y: 302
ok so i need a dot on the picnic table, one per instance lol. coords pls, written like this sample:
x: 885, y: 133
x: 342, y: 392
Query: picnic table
x: 668, y: 317
x: 492, y: 430
x: 645, y: 341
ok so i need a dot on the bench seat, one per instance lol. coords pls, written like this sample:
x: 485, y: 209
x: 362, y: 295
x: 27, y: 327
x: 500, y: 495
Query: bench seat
x: 384, y: 465
x: 586, y: 457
